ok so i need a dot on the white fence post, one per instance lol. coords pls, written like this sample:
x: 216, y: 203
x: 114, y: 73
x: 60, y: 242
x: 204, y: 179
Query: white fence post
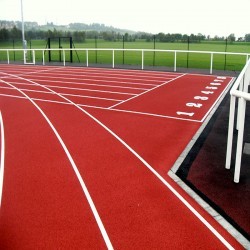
x: 175, y: 60
x: 230, y: 131
x: 113, y: 58
x: 8, y: 56
x: 242, y: 104
x: 43, y: 57
x: 87, y: 58
x: 239, y: 91
x: 142, y: 59
x: 211, y: 63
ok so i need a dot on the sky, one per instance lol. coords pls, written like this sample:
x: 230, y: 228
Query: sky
x: 208, y: 17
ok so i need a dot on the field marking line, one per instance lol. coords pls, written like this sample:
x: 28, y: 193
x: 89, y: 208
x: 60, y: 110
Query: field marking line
x: 152, y: 114
x: 134, y: 71
x: 114, y: 75
x: 93, y: 79
x: 12, y: 96
x: 2, y: 157
x: 27, y: 72
x: 75, y: 168
x: 157, y: 175
x: 97, y: 78
x: 103, y: 108
x: 115, y: 72
x: 49, y: 92
x: 158, y: 86
x: 77, y: 83
x: 90, y: 97
x: 93, y: 90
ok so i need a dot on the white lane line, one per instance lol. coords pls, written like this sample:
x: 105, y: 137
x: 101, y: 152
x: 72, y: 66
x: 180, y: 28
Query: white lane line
x: 78, y: 83
x: 158, y: 86
x: 100, y: 78
x: 90, y: 79
x: 27, y: 71
x: 49, y: 92
x: 80, y: 179
x: 82, y: 74
x: 2, y: 157
x: 103, y: 108
x: 121, y: 71
x: 157, y: 175
x: 92, y: 90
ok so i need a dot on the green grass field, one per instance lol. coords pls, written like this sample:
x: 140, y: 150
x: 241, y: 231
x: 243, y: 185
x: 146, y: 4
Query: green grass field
x: 166, y: 59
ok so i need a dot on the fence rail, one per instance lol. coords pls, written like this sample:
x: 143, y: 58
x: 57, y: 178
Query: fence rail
x: 33, y: 58
x: 240, y: 91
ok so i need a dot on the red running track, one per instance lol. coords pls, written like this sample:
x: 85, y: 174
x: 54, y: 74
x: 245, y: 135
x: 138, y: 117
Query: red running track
x: 81, y: 177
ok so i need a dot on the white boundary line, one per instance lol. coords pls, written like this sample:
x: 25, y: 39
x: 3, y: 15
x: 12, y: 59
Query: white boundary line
x: 96, y: 80
x: 114, y: 75
x: 79, y: 83
x: 122, y: 101
x: 157, y: 175
x: 103, y: 108
x: 80, y: 179
x: 101, y: 78
x: 28, y: 67
x: 93, y: 90
x: 92, y: 70
x: 2, y: 157
x: 72, y: 88
x: 158, y: 86
x: 73, y: 95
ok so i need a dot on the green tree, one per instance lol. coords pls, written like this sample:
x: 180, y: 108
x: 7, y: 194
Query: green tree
x: 4, y: 34
x: 247, y: 37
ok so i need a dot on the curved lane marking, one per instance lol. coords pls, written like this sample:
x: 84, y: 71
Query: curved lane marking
x: 2, y: 157
x: 80, y: 179
x: 167, y: 184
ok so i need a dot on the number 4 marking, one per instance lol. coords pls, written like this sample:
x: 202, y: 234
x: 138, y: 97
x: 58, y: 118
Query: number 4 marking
x: 207, y: 92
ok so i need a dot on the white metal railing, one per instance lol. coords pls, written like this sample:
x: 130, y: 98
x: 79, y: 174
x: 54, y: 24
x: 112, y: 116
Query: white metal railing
x: 142, y: 52
x: 239, y: 91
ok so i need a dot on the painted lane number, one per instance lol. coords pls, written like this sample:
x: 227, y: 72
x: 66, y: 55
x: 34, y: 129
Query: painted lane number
x: 209, y: 90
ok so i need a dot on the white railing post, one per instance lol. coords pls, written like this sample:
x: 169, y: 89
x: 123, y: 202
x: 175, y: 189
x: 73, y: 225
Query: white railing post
x: 87, y: 58
x: 242, y: 104
x: 34, y: 56
x: 24, y: 56
x: 113, y: 58
x: 8, y: 56
x: 175, y: 60
x: 239, y: 112
x: 239, y: 91
x: 64, y: 63
x: 230, y: 131
x: 43, y: 57
x: 142, y: 59
x: 211, y: 63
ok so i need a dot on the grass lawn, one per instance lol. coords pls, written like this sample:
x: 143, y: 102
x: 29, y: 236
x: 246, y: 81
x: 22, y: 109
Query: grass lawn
x: 184, y: 60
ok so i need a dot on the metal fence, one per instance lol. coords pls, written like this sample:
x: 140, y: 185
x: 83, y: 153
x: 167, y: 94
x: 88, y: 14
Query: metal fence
x: 116, y: 57
x: 240, y: 92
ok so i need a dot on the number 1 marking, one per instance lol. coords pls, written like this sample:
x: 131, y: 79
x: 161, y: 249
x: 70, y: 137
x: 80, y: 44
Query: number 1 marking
x: 185, y: 113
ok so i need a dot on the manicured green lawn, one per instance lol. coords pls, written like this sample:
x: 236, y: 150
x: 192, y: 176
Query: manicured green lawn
x: 184, y: 60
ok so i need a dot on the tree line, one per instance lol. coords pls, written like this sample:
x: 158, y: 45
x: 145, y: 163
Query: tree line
x: 81, y: 36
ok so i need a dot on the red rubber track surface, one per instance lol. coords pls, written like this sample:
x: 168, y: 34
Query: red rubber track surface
x: 43, y: 204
